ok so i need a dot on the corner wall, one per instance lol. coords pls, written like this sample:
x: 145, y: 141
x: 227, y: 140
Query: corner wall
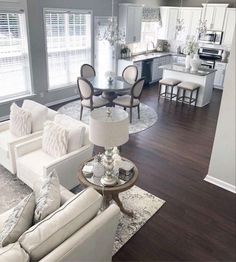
x: 222, y: 164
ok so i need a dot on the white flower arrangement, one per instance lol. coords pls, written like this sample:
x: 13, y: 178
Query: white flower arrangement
x: 191, y: 47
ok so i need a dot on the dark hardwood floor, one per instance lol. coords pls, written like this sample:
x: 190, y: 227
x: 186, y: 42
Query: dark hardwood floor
x: 197, y: 222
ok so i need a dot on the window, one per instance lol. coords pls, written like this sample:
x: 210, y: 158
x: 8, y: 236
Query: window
x: 14, y: 58
x: 68, y: 45
x: 148, y: 34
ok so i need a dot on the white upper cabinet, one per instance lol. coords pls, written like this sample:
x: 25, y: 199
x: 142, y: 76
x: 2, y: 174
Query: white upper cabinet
x: 229, y: 27
x: 130, y: 22
x: 215, y: 15
x: 169, y: 17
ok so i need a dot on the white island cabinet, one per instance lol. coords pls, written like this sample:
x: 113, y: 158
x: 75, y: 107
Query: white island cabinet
x: 204, y: 77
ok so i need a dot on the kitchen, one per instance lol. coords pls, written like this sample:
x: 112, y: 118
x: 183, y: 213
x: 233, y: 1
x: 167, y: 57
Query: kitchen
x: 156, y: 37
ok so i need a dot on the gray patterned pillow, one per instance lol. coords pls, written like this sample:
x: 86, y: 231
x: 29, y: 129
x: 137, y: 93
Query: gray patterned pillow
x: 49, y: 198
x: 19, y: 221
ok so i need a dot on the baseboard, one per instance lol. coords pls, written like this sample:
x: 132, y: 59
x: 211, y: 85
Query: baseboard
x: 220, y: 183
x: 62, y: 100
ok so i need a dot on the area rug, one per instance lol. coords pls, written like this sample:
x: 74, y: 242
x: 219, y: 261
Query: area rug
x: 143, y: 204
x: 148, y: 116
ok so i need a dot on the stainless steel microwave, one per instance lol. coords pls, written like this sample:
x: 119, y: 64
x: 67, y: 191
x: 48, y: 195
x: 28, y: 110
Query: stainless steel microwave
x: 211, y: 37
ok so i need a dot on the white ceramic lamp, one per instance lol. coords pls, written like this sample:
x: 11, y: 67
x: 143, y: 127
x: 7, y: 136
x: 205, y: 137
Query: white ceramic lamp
x: 109, y: 127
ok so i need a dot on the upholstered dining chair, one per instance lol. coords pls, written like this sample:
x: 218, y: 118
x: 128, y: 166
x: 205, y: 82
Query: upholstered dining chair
x: 132, y: 100
x: 88, y: 99
x: 88, y: 71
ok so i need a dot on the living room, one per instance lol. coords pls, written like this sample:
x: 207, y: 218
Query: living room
x: 117, y: 130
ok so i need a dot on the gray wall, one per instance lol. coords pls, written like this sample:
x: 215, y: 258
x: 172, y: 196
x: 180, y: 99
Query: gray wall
x: 37, y: 43
x: 222, y: 164
x: 197, y: 3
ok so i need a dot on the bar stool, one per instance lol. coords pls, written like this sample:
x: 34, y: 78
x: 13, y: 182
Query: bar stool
x: 168, y: 82
x: 191, y: 87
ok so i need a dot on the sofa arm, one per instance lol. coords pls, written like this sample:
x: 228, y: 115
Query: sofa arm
x: 93, y: 242
x: 4, y: 125
x: 27, y: 147
x: 67, y: 166
x: 65, y: 195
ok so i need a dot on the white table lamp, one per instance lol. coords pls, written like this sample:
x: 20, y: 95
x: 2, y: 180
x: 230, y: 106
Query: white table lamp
x: 109, y: 127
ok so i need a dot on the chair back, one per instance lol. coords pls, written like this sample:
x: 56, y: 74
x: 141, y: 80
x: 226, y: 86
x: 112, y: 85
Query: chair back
x: 130, y: 74
x: 87, y: 71
x: 85, y: 88
x: 137, y: 88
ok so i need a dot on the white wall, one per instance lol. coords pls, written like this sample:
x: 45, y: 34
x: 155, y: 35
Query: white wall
x: 222, y: 164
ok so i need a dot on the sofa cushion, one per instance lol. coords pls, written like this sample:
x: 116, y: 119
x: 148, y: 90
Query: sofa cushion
x: 20, y: 121
x: 76, y: 131
x: 55, y: 139
x: 49, y: 233
x: 12, y: 253
x: 18, y: 221
x: 48, y: 199
x: 39, y: 114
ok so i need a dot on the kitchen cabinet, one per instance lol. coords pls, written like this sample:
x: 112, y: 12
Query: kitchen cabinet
x: 169, y: 17
x: 157, y: 62
x: 177, y: 59
x: 191, y: 17
x: 215, y: 15
x: 130, y: 22
x: 229, y: 27
x: 123, y: 63
x: 220, y: 74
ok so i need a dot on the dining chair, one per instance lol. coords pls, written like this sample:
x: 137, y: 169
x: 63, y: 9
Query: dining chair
x: 88, y: 99
x: 88, y: 71
x: 129, y: 75
x: 132, y: 100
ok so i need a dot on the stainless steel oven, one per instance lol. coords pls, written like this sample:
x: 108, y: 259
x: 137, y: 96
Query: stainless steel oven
x: 209, y: 56
x: 211, y: 37
x: 208, y: 64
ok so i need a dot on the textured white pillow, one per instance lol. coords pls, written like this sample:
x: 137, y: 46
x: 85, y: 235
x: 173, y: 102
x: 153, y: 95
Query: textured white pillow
x: 55, y: 139
x: 20, y: 121
x: 76, y: 131
x: 39, y: 114
x: 12, y: 253
x: 49, y: 198
x: 18, y: 221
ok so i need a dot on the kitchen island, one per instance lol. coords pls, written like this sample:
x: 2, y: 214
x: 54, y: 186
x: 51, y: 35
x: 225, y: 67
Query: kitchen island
x: 204, y: 77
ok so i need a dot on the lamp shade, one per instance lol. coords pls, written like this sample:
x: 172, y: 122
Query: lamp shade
x: 109, y: 127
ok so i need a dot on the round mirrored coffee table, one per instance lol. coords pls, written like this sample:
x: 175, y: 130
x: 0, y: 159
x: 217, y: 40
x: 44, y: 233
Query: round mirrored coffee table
x: 124, y: 183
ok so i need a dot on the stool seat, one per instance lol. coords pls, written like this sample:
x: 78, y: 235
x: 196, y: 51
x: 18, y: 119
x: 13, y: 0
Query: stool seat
x: 169, y: 81
x: 188, y: 85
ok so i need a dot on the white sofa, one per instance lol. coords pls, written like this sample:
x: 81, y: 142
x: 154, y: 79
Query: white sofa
x: 91, y: 234
x: 33, y: 163
x: 8, y: 141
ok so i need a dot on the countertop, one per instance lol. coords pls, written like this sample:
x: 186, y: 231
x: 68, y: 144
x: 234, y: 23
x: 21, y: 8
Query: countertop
x: 180, y: 68
x: 150, y: 55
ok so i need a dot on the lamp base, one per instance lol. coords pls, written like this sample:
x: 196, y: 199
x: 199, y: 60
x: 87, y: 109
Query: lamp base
x: 108, y: 180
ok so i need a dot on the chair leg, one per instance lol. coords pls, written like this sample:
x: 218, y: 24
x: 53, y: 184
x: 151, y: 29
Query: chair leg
x: 196, y: 97
x: 130, y: 115
x: 184, y: 91
x: 171, y: 93
x: 125, y: 108
x: 159, y: 91
x: 138, y: 107
x: 190, y: 99
x: 81, y: 112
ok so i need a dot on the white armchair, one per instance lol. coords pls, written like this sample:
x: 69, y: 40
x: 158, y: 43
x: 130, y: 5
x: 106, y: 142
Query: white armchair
x: 33, y: 163
x: 8, y: 141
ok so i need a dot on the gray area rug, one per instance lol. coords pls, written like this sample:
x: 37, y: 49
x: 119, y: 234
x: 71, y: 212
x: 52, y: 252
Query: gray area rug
x: 148, y: 116
x: 144, y: 205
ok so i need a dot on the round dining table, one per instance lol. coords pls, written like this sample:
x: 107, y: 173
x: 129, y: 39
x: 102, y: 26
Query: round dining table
x: 110, y: 88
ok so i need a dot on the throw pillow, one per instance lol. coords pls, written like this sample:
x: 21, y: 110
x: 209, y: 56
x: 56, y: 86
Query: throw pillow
x: 20, y: 121
x: 12, y: 253
x: 76, y: 131
x: 19, y: 221
x: 39, y: 114
x: 49, y: 198
x: 55, y: 139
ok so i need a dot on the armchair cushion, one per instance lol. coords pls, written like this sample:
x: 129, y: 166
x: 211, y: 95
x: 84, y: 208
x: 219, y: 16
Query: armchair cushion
x: 76, y: 131
x: 20, y: 121
x: 49, y: 198
x: 55, y: 139
x: 12, y: 253
x: 49, y: 233
x: 39, y: 114
x: 19, y: 220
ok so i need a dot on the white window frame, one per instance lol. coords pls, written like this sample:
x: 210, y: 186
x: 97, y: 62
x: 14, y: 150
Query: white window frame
x: 63, y: 10
x: 17, y: 6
